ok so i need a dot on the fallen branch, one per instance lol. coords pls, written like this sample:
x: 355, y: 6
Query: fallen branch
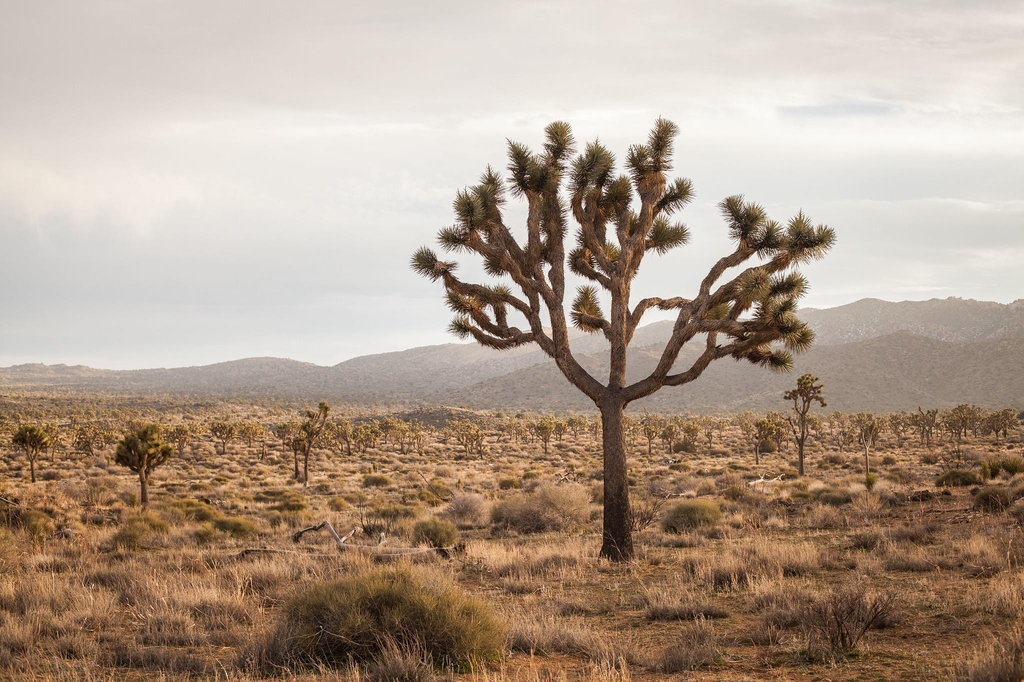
x: 376, y: 551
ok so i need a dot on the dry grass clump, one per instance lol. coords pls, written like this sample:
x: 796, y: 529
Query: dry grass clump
x: 467, y: 510
x: 437, y: 533
x: 549, y: 508
x: 361, y: 617
x: 696, y: 648
x: 1001, y: 661
x: 691, y: 514
x: 548, y: 636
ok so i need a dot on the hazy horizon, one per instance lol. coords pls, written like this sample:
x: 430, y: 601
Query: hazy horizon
x: 187, y: 183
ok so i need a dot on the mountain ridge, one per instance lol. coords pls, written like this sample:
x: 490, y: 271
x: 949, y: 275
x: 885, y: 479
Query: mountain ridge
x: 915, y: 341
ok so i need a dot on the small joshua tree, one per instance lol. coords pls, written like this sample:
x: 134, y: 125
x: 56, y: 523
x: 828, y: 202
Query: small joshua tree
x: 621, y: 219
x: 868, y: 428
x: 311, y: 432
x: 806, y: 393
x: 225, y: 432
x: 142, y: 451
x: 32, y: 440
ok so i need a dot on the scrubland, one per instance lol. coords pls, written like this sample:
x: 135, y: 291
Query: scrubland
x: 740, y: 574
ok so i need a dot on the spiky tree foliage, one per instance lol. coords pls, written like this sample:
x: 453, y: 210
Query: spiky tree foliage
x: 806, y: 393
x: 748, y: 314
x: 31, y: 440
x: 766, y: 429
x: 544, y: 428
x: 840, y: 430
x: 142, y: 452
x: 183, y: 435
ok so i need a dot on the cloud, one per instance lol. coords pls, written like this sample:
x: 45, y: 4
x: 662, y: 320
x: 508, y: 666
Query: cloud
x: 243, y: 178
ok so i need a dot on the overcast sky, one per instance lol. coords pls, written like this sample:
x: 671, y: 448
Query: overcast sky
x: 187, y: 182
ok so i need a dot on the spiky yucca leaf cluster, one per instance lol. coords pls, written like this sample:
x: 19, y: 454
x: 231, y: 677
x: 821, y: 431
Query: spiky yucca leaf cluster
x: 620, y: 218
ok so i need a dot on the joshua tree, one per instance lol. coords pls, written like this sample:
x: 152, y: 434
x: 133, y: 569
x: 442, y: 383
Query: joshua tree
x: 544, y: 428
x: 651, y: 425
x: 620, y: 220
x: 311, y: 432
x: 33, y: 440
x: 806, y: 393
x: 341, y: 434
x: 766, y: 429
x: 142, y: 452
x: 924, y: 421
x: 225, y: 432
x: 868, y: 429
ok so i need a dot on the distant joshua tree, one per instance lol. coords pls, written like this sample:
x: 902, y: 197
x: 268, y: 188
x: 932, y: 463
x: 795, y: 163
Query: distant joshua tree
x: 142, y: 452
x: 311, y: 432
x: 741, y: 318
x: 225, y: 432
x: 806, y: 393
x: 32, y: 440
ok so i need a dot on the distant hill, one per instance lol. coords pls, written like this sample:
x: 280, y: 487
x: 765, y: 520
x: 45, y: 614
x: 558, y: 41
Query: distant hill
x: 871, y: 354
x: 948, y: 319
x: 895, y: 372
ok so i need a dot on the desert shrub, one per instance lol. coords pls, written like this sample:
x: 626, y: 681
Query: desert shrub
x: 193, y: 510
x: 995, y: 465
x: 696, y: 648
x: 888, y: 460
x: 468, y: 510
x: 549, y: 508
x: 285, y: 501
x: 361, y: 617
x: 338, y: 504
x: 1000, y: 661
x: 37, y: 524
x: 870, y: 479
x: 690, y: 514
x: 136, y: 531
x: 236, y: 527
x: 835, y: 497
x: 1012, y: 465
x: 993, y: 498
x: 376, y: 481
x: 683, y: 610
x: 1017, y: 511
x: 435, y: 532
x: 836, y: 621
x: 958, y: 477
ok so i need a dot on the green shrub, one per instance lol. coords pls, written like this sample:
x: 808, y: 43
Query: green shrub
x: 360, y: 618
x: 992, y: 498
x: 870, y: 479
x: 1012, y: 465
x: 376, y: 481
x: 435, y: 532
x: 958, y: 477
x: 995, y: 465
x: 690, y: 514
x: 236, y: 527
x: 510, y: 484
x: 549, y: 508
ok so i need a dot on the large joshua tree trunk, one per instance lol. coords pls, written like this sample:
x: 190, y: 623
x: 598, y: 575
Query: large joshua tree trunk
x: 143, y: 488
x: 617, y: 541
